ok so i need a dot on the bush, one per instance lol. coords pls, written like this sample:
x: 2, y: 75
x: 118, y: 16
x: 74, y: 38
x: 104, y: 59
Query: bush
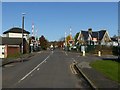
x: 115, y: 50
x: 90, y: 49
x: 104, y: 49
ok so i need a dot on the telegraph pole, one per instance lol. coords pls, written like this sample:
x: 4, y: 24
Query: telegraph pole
x: 118, y: 43
x: 118, y: 31
x: 22, y: 30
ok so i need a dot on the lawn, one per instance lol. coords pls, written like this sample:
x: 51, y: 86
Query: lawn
x: 108, y: 67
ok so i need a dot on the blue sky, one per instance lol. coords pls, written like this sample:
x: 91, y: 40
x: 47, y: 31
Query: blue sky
x: 54, y: 19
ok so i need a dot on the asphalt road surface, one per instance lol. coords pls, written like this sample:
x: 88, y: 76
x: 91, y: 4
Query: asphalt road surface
x: 47, y: 69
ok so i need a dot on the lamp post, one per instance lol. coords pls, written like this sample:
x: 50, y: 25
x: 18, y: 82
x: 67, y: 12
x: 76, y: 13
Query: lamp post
x: 22, y: 29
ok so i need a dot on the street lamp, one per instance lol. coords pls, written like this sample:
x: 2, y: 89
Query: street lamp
x: 22, y: 29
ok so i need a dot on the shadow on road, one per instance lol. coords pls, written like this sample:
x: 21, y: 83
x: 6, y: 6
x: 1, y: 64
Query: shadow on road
x: 112, y: 59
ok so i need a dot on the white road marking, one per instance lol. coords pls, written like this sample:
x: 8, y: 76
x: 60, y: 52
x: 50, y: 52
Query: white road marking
x: 52, y: 52
x: 39, y: 52
x: 66, y: 54
x: 38, y: 69
x: 74, y: 61
x: 45, y: 61
x: 33, y: 69
x: 9, y: 65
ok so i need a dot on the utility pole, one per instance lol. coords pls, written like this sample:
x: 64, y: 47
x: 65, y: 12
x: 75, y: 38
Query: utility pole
x: 22, y: 31
x: 118, y: 31
x: 118, y: 43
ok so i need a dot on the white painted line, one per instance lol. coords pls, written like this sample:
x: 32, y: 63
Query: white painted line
x: 52, y: 52
x: 74, y: 61
x: 33, y: 69
x: 38, y: 69
x: 66, y: 54
x: 39, y: 52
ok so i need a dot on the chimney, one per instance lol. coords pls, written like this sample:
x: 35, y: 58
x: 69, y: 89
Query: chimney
x: 90, y: 30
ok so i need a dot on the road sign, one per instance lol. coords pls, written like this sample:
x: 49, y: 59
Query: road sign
x: 31, y: 44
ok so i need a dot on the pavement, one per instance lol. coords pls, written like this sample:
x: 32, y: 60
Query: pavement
x: 22, y: 58
x: 96, y: 79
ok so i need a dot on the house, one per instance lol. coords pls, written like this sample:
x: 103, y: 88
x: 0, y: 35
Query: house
x: 9, y: 46
x: 114, y: 41
x: 16, y: 33
x: 94, y: 37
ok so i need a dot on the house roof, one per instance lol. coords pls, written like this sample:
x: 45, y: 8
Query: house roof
x: 10, y: 41
x: 16, y: 30
x: 85, y: 34
x: 96, y: 34
x: 114, y: 39
x: 101, y: 34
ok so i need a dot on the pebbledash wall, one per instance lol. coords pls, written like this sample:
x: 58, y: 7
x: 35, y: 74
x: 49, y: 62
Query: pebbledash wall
x: 2, y: 51
x: 17, y: 35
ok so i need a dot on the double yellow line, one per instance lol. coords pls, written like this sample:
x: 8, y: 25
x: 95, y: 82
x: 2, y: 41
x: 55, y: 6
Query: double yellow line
x: 72, y: 69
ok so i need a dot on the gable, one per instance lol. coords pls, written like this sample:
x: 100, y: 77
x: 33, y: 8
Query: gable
x: 106, y: 37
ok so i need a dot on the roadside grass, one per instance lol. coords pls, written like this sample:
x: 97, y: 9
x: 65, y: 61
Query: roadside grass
x: 109, y: 68
x: 14, y: 56
x: 17, y: 55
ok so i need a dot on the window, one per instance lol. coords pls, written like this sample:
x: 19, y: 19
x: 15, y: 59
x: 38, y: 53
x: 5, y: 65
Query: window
x: 3, y: 53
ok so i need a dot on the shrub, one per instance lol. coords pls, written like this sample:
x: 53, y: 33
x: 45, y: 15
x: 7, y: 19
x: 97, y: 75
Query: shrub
x: 115, y: 50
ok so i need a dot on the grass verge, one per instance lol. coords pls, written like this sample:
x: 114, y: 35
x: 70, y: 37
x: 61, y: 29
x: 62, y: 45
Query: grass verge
x: 109, y: 68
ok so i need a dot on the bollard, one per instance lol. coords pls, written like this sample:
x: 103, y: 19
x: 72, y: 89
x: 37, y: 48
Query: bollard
x: 83, y: 53
x: 99, y: 53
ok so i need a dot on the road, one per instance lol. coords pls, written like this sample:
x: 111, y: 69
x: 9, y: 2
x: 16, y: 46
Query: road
x: 46, y: 69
